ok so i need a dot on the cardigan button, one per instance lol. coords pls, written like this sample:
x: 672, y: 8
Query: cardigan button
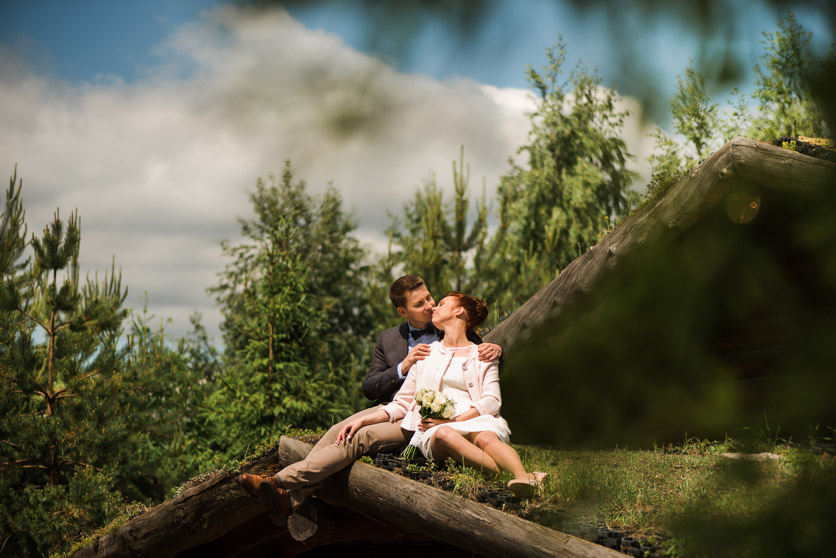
x: 470, y: 385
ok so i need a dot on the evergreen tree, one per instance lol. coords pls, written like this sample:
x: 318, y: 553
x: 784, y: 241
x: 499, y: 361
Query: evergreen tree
x: 786, y: 106
x: 66, y: 442
x: 553, y: 209
x: 783, y: 84
x: 737, y: 118
x: 170, y: 384
x: 435, y: 241
x: 12, y: 230
x: 85, y: 427
x: 695, y: 118
x: 694, y: 115
x: 295, y: 323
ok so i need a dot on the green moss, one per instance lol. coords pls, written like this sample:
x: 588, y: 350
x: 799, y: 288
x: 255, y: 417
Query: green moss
x: 129, y: 512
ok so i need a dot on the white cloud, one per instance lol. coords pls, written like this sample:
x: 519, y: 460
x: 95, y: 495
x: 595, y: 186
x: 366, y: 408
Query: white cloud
x: 159, y: 169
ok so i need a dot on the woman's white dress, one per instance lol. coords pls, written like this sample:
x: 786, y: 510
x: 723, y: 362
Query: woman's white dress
x: 453, y: 386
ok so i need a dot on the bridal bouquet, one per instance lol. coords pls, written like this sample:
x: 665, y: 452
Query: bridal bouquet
x: 431, y: 404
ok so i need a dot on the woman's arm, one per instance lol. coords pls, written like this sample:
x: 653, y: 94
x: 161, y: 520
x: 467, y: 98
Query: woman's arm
x: 489, y: 399
x: 349, y: 429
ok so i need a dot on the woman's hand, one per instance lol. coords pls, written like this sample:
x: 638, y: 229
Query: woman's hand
x: 428, y: 423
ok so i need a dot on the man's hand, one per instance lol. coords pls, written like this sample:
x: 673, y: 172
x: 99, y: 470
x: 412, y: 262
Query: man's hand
x: 349, y: 430
x: 489, y: 351
x: 416, y: 353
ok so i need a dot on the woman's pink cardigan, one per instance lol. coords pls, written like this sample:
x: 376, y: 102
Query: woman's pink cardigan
x: 481, y: 379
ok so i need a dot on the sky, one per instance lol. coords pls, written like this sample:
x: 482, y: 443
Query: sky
x: 153, y: 120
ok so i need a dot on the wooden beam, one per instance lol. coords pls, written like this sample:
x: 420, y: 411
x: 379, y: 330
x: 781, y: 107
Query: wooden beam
x: 450, y: 518
x: 740, y: 166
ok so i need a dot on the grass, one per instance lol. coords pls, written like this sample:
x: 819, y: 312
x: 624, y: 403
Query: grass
x: 686, y: 499
x: 670, y: 493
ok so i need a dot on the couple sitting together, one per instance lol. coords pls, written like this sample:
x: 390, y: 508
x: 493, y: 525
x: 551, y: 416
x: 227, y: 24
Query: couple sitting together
x: 435, y: 349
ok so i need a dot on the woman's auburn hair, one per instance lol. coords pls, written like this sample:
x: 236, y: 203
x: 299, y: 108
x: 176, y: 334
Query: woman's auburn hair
x: 475, y: 309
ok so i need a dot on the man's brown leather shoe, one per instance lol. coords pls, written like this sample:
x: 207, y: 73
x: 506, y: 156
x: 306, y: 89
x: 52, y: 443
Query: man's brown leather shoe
x: 275, y: 498
x: 252, y: 482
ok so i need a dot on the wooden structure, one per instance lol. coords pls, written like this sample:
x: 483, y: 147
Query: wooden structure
x: 710, y: 311
x: 362, y: 508
x: 736, y: 176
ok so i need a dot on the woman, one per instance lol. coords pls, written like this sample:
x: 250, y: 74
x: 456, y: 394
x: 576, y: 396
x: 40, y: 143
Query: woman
x: 476, y: 435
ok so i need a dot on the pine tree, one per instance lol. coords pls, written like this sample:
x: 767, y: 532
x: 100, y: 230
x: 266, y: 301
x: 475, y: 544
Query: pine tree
x: 435, y: 240
x: 294, y: 319
x: 12, y: 230
x: 66, y: 442
x: 84, y: 428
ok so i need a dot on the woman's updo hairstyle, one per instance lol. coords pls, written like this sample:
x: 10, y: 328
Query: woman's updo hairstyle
x: 475, y: 309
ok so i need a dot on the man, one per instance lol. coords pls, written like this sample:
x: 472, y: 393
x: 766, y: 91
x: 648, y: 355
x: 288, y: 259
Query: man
x: 400, y: 347
x: 397, y: 350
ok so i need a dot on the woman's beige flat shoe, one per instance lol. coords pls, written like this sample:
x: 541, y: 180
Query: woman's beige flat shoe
x: 525, y: 488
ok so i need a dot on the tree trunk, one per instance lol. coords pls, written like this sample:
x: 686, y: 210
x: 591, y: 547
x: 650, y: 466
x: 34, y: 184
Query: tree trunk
x: 199, y: 514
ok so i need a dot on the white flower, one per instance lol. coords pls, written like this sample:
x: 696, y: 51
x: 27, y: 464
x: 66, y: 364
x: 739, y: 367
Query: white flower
x: 437, y: 404
x: 449, y: 412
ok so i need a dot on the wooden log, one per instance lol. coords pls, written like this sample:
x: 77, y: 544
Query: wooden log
x: 337, y: 526
x: 217, y: 509
x: 740, y: 166
x: 199, y: 514
x: 416, y: 507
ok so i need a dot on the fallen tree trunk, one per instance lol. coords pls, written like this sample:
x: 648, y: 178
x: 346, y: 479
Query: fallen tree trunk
x: 416, y: 507
x: 742, y: 167
x: 199, y: 514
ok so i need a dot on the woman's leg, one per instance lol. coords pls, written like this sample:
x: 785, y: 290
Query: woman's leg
x: 503, y: 455
x: 449, y: 443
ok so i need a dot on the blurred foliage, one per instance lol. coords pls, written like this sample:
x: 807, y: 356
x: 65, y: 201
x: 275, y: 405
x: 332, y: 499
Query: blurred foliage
x: 700, y: 333
x: 392, y: 30
x: 391, y: 27
x: 794, y: 518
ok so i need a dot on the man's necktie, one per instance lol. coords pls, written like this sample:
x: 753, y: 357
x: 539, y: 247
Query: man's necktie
x: 416, y: 333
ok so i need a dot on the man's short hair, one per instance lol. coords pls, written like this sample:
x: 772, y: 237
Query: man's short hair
x: 401, y: 287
